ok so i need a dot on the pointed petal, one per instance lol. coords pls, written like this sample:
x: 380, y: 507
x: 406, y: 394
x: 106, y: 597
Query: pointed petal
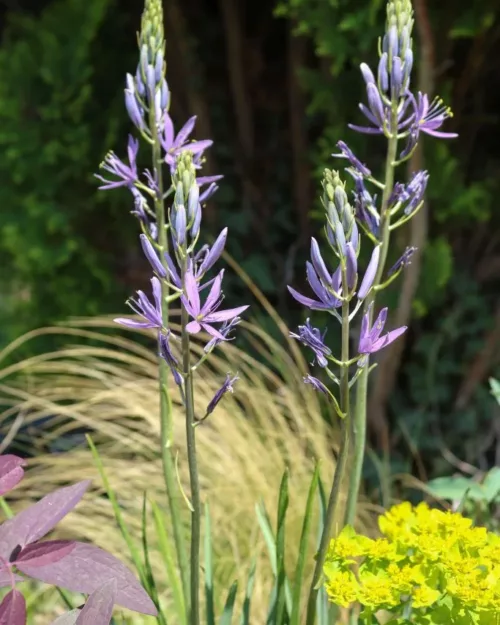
x: 13, y: 609
x: 214, y: 294
x: 193, y: 327
x: 351, y: 267
x: 387, y: 339
x: 215, y: 252
x: 306, y: 301
x: 439, y: 134
x: 172, y: 270
x: 363, y: 335
x: 156, y: 284
x: 224, y: 315
x: 378, y: 325
x: 319, y: 263
x: 184, y: 132
x: 152, y: 256
x: 135, y: 325
x: 199, y: 146
x: 34, y: 522
x: 192, y: 294
x: 213, y: 332
x: 11, y: 472
x: 370, y: 273
x: 168, y: 133
x: 86, y: 569
x: 317, y: 287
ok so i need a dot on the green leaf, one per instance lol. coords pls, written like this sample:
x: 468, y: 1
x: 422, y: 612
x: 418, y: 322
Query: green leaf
x: 167, y: 553
x: 209, y: 580
x: 134, y: 553
x: 456, y: 488
x: 227, y: 613
x: 245, y: 615
x: 491, y: 484
x: 150, y: 584
x: 280, y: 547
x: 304, y: 541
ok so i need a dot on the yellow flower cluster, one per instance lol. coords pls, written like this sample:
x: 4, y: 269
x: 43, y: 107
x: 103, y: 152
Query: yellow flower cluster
x: 427, y: 559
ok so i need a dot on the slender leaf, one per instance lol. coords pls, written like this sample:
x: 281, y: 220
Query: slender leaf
x: 169, y: 562
x: 280, y: 548
x: 134, y: 553
x: 227, y: 614
x: 209, y: 580
x: 273, y: 602
x: 245, y: 615
x: 304, y: 542
x: 148, y: 571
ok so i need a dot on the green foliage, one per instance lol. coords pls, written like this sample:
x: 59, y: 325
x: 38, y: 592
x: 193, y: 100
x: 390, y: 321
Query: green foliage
x: 54, y: 129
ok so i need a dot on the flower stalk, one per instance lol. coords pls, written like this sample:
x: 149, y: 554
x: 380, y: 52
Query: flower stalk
x: 360, y: 408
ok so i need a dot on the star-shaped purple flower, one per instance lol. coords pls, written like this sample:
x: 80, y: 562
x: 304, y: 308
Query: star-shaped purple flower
x: 204, y: 316
x: 370, y: 340
x: 174, y: 144
x: 151, y: 313
x: 127, y: 174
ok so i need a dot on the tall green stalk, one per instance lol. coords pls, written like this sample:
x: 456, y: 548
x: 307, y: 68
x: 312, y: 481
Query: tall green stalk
x: 165, y: 401
x: 194, y: 617
x: 360, y: 409
x: 340, y: 470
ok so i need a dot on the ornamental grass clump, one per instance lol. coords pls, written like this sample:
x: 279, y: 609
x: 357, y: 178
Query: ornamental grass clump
x: 429, y: 566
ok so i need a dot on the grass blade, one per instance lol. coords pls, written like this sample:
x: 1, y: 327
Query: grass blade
x: 326, y: 613
x: 227, y: 613
x: 283, y: 500
x: 134, y: 553
x: 304, y: 541
x: 167, y: 554
x: 245, y: 615
x: 209, y: 580
x: 150, y: 584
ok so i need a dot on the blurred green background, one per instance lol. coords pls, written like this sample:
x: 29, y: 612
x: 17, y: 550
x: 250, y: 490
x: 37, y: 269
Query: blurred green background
x: 274, y: 84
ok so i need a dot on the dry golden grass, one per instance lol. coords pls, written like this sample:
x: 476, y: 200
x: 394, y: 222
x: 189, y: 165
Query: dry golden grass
x: 109, y: 387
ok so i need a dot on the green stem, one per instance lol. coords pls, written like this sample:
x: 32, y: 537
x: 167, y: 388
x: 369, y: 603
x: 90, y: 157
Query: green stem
x: 359, y: 420
x: 193, y: 475
x: 165, y: 400
x: 340, y: 469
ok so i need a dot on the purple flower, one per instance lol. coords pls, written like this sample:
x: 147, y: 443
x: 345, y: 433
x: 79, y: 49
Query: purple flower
x: 428, y: 118
x: 412, y: 193
x: 317, y: 384
x: 226, y: 329
x: 173, y: 144
x: 169, y: 357
x: 311, y: 337
x: 127, y: 174
x: 364, y: 204
x: 204, y: 316
x: 403, y: 261
x: 321, y: 282
x: 346, y: 152
x: 152, y: 314
x: 370, y: 340
x: 225, y: 388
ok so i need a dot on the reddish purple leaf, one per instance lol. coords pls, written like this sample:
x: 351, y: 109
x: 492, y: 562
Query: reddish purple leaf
x: 11, y: 472
x: 99, y: 607
x: 37, y: 520
x: 41, y: 554
x: 85, y: 569
x: 6, y: 578
x: 13, y: 609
